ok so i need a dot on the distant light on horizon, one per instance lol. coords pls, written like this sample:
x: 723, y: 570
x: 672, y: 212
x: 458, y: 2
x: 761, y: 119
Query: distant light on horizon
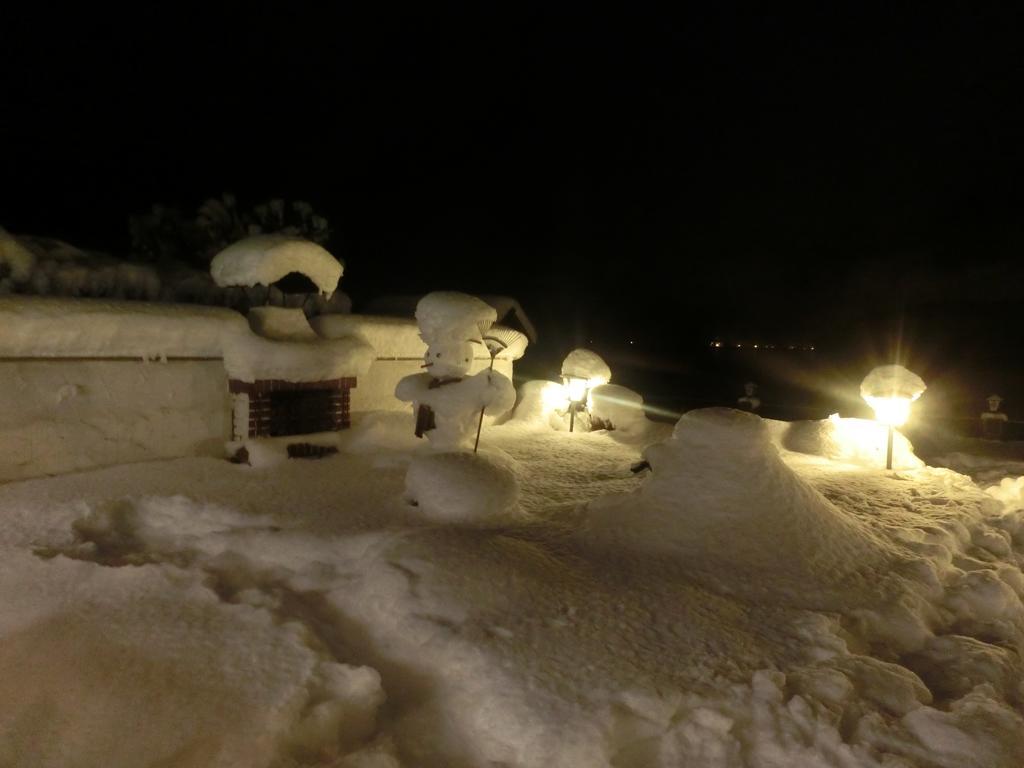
x: 719, y: 344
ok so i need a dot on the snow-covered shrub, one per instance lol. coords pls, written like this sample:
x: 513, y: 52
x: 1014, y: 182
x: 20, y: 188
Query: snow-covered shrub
x: 616, y: 407
x: 164, y: 234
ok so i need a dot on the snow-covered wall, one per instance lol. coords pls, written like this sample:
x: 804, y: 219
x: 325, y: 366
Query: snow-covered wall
x: 87, y: 383
x: 65, y: 415
x: 34, y: 326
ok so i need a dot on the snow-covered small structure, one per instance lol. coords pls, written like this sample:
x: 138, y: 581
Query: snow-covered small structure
x: 284, y: 379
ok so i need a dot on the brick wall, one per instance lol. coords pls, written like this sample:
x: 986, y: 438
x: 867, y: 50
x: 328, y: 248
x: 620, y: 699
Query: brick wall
x: 261, y: 402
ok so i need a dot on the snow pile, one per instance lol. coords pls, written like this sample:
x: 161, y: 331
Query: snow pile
x: 46, y: 327
x: 280, y: 324
x: 105, y: 667
x: 450, y: 313
x: 463, y: 487
x: 265, y: 259
x: 617, y: 407
x: 249, y: 357
x: 855, y: 441
x: 1010, y: 491
x: 721, y: 500
x: 584, y: 364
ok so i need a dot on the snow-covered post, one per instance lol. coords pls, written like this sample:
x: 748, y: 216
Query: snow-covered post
x: 889, y: 390
x: 577, y: 389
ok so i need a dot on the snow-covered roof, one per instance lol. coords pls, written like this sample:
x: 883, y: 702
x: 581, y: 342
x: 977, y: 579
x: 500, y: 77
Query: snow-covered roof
x: 399, y: 337
x: 36, y: 326
x: 509, y: 311
x: 265, y: 259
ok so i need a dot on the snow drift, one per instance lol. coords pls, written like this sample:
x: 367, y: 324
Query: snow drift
x: 722, y: 501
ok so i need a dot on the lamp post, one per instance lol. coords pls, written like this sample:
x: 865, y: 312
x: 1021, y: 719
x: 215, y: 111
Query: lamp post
x: 889, y: 390
x: 576, y: 388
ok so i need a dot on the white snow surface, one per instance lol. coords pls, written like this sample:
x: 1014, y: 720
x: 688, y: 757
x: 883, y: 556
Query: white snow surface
x: 33, y: 326
x: 280, y: 323
x: 586, y: 364
x: 447, y: 314
x: 265, y: 259
x: 250, y: 358
x: 740, y: 605
x: 463, y: 487
x: 887, y: 381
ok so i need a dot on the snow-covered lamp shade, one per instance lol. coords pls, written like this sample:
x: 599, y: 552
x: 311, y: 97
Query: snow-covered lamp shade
x: 890, y: 390
x: 582, y: 370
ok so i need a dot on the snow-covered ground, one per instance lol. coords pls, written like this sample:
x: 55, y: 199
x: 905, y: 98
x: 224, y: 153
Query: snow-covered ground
x: 739, y: 604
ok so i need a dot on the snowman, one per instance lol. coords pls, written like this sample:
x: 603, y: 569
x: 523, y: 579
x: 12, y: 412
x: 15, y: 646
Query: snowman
x: 447, y: 402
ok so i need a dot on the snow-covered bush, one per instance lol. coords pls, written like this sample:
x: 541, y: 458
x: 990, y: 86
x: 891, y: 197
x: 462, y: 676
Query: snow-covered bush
x: 164, y: 234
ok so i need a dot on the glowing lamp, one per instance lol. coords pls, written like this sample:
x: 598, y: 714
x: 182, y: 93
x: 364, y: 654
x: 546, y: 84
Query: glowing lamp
x: 576, y: 388
x: 889, y: 390
x: 893, y: 411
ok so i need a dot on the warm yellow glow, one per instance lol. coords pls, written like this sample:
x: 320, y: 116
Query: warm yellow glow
x: 576, y: 388
x: 890, y: 410
x: 554, y: 397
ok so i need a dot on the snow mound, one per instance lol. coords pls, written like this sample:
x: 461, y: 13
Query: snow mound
x: 32, y: 326
x: 265, y: 259
x: 584, y: 364
x: 617, y: 407
x: 1010, y: 491
x: 888, y: 381
x: 450, y: 313
x: 854, y: 441
x: 463, y: 487
x: 721, y: 500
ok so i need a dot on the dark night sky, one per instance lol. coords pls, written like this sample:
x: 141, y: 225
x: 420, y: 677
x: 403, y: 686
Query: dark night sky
x: 669, y: 177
